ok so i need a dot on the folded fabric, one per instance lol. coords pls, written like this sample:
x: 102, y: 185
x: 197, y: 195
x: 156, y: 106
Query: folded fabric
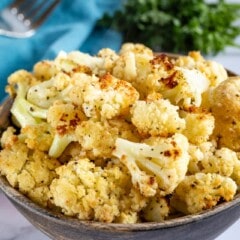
x: 71, y: 26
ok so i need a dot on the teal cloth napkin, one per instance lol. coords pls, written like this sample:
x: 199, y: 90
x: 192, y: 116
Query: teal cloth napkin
x: 72, y: 26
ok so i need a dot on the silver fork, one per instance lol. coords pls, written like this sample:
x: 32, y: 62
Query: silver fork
x: 21, y: 18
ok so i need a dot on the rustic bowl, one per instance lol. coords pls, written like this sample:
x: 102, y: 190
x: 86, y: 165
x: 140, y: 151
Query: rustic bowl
x: 204, y: 226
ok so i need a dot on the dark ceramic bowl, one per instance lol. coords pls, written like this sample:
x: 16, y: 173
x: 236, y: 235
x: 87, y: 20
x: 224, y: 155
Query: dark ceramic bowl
x: 204, y: 226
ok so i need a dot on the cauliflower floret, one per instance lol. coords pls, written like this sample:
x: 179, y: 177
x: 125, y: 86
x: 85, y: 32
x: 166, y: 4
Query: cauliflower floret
x: 156, y: 118
x: 206, y: 158
x: 106, y: 97
x: 201, y: 192
x: 214, y: 71
x: 199, y: 125
x: 47, y: 92
x: 31, y: 171
x: 92, y: 193
x: 157, y: 210
x: 23, y: 112
x: 184, y: 87
x: 225, y: 108
x: 158, y: 163
x: 69, y: 63
x: 64, y: 119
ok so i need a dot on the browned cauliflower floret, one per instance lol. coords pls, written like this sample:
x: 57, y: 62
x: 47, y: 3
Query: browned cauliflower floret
x: 93, y: 193
x: 202, y: 191
x: 38, y: 136
x: 64, y: 119
x: 31, y: 171
x: 199, y: 125
x: 206, y: 158
x: 105, y: 97
x: 225, y: 106
x: 214, y: 71
x: 156, y: 117
x: 159, y: 163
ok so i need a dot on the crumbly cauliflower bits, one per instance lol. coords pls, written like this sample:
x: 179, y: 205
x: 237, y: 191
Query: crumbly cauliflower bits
x: 93, y: 193
x: 202, y: 191
x: 158, y: 163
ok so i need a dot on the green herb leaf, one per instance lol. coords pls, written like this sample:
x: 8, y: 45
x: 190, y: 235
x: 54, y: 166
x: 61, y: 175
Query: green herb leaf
x: 177, y: 25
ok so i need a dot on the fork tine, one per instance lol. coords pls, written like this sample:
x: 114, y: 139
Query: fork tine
x: 16, y: 3
x: 44, y: 11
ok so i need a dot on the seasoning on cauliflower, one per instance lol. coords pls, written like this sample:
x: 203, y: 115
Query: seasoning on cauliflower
x: 202, y: 191
x: 199, y: 125
x: 184, y: 87
x: 108, y: 97
x: 31, y: 171
x: 64, y: 118
x: 90, y: 135
x: 225, y: 107
x: 90, y: 192
x: 208, y: 159
x: 157, y: 210
x: 156, y: 117
x: 159, y: 163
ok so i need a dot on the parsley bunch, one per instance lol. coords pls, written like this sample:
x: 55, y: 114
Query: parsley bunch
x: 177, y: 25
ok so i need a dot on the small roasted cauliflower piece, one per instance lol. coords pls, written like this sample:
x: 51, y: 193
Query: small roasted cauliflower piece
x: 157, y: 209
x: 64, y: 119
x: 184, y: 87
x: 206, y: 158
x: 156, y: 117
x: 202, y: 191
x: 199, y: 125
x: 159, y: 163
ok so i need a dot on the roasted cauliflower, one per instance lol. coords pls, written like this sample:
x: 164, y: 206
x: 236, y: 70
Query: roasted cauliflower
x: 123, y: 137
